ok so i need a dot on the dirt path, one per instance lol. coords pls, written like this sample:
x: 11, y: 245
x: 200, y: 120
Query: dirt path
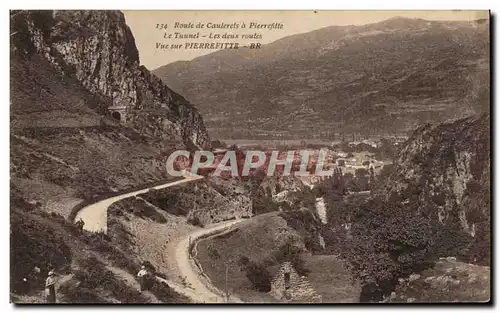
x: 205, y: 292
x: 194, y: 285
x: 95, y: 215
x: 132, y: 282
x: 321, y: 210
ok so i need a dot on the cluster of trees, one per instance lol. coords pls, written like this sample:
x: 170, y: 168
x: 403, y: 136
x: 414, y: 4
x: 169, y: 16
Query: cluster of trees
x: 382, y: 240
x: 339, y: 183
x: 256, y: 273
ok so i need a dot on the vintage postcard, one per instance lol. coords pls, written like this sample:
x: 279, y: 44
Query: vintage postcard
x: 250, y: 156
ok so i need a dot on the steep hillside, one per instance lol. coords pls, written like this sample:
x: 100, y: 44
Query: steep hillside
x: 62, y: 151
x: 98, y: 48
x: 89, y: 268
x: 266, y: 241
x: 445, y: 168
x: 67, y: 68
x: 385, y: 77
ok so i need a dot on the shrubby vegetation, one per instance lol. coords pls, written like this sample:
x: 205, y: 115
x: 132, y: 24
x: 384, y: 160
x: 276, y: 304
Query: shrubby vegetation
x: 292, y: 253
x: 93, y: 278
x: 217, y: 144
x: 34, y: 243
x: 383, y: 240
x: 256, y: 273
x: 307, y: 224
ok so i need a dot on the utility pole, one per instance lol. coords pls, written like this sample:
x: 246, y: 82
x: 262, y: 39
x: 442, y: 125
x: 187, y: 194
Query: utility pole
x: 227, y: 274
x: 342, y: 123
x: 194, y: 199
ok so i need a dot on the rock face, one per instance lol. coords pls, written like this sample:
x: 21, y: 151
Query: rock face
x: 99, y: 49
x: 446, y: 167
x: 448, y: 281
x: 202, y: 202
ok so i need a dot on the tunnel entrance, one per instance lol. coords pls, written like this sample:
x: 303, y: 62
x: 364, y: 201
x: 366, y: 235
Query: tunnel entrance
x: 116, y: 115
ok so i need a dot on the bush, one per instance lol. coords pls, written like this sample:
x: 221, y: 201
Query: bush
x: 257, y: 274
x: 138, y: 208
x: 94, y: 276
x: 33, y: 243
x: 166, y: 294
x: 291, y: 253
x: 306, y: 224
x: 195, y: 220
x: 388, y: 241
x: 217, y: 144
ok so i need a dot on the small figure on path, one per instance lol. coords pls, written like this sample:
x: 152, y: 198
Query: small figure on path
x: 79, y: 224
x: 145, y: 278
x: 50, y: 287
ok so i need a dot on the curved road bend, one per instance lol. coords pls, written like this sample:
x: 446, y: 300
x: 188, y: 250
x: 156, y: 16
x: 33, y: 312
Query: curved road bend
x: 206, y: 292
x: 95, y: 215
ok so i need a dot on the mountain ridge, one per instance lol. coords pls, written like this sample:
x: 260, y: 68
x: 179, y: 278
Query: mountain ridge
x: 373, y: 73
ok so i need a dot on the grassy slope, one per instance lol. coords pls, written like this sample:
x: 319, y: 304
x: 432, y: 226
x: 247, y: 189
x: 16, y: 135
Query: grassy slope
x: 62, y: 152
x: 259, y: 239
x: 147, y: 231
x: 48, y: 241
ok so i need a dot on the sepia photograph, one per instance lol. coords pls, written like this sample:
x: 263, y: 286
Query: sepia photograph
x: 250, y: 157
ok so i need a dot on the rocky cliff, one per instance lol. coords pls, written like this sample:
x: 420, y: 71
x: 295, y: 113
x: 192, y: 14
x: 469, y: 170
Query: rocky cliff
x: 67, y: 69
x: 99, y: 49
x: 446, y: 169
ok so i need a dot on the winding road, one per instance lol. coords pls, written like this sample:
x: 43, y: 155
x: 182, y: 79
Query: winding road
x: 200, y: 290
x: 95, y: 215
x: 206, y: 292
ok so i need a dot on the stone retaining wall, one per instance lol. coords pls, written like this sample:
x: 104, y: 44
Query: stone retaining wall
x: 294, y: 288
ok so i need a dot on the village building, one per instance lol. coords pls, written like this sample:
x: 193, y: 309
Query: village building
x: 288, y: 286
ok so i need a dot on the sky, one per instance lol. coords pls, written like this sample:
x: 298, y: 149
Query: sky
x: 144, y: 27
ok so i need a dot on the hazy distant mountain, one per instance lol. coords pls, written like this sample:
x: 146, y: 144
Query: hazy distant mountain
x: 384, y: 77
